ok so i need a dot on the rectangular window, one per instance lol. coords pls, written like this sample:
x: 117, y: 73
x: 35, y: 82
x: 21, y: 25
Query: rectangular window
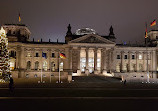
x: 118, y: 57
x: 125, y: 57
x: 44, y: 55
x: 133, y: 56
x: 37, y: 55
x: 53, y: 55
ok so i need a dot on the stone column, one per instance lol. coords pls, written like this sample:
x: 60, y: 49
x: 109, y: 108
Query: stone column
x: 122, y: 60
x: 49, y: 59
x: 151, y: 61
x: 110, y: 61
x: 70, y: 59
x: 113, y: 60
x: 137, y: 58
x: 70, y: 65
x: 58, y: 57
x: 103, y: 55
x: 41, y: 61
x: 32, y: 59
x: 21, y: 62
x: 154, y: 61
x: 144, y: 62
x: 95, y: 61
x: 129, y: 61
x: 78, y: 61
x: 17, y: 57
x: 87, y: 58
x: 22, y: 59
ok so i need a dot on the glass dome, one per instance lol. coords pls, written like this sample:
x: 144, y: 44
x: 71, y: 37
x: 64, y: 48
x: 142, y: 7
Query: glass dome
x: 84, y: 31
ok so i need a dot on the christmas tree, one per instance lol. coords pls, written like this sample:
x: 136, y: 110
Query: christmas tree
x: 4, y: 54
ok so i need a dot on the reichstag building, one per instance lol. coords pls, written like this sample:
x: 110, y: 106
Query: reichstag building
x: 86, y: 53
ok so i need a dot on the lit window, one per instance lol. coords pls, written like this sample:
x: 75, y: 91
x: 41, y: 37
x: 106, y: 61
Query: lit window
x: 61, y: 66
x: 140, y: 57
x: 12, y: 64
x: 28, y: 54
x: 83, y: 64
x: 45, y: 66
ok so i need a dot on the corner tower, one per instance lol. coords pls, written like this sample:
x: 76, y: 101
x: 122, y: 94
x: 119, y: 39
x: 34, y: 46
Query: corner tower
x: 17, y: 32
x: 111, y: 34
x: 69, y: 35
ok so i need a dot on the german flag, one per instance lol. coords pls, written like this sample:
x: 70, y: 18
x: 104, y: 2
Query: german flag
x: 146, y: 32
x: 153, y: 23
x: 19, y: 18
x: 62, y: 55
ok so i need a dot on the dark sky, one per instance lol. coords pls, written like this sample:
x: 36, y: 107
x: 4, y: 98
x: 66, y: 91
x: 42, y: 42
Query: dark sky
x: 50, y: 18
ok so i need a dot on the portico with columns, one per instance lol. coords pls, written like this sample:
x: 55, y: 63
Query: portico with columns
x: 92, y: 58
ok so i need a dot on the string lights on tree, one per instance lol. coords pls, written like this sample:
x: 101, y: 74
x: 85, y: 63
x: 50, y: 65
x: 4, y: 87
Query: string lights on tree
x: 4, y: 54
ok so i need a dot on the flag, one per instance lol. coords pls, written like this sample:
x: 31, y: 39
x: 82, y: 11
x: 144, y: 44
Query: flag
x: 44, y: 55
x: 19, y: 18
x: 153, y: 23
x: 62, y: 55
x: 146, y: 32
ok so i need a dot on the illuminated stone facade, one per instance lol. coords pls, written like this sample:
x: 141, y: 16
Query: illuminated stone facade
x: 85, y: 54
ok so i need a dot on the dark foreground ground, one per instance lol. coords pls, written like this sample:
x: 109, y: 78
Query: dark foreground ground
x: 82, y: 95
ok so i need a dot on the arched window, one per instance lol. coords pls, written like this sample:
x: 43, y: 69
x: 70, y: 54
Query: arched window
x: 36, y: 65
x: 52, y: 66
x: 28, y: 65
x: 45, y: 66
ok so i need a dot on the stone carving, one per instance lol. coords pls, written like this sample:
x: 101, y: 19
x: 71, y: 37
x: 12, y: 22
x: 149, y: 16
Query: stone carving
x: 91, y: 39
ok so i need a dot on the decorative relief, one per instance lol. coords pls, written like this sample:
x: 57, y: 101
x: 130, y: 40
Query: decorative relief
x: 91, y: 39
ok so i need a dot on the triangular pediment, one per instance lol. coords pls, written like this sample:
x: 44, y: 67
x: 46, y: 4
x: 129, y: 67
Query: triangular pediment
x: 92, y: 38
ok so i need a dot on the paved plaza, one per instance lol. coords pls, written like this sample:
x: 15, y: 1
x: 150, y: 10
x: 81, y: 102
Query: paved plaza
x: 82, y: 94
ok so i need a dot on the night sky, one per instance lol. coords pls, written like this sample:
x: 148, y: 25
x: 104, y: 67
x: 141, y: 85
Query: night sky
x: 50, y: 18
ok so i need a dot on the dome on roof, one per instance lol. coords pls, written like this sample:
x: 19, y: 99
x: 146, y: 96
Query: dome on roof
x: 84, y: 31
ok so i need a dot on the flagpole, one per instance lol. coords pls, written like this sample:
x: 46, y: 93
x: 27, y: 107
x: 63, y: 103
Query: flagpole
x: 147, y: 54
x: 41, y: 75
x: 59, y: 65
x: 50, y: 72
x: 59, y: 70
